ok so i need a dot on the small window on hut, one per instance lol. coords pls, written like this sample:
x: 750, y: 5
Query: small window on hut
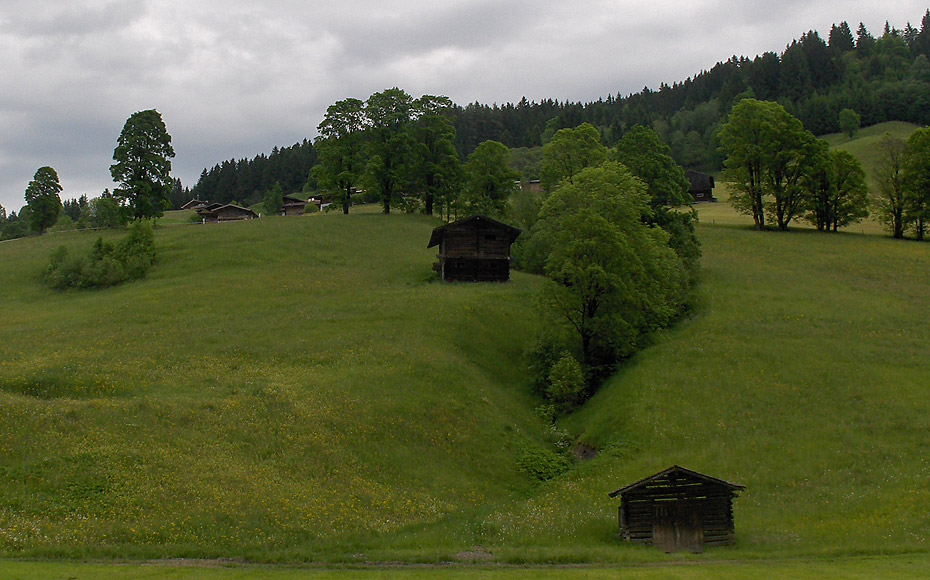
x: 490, y: 237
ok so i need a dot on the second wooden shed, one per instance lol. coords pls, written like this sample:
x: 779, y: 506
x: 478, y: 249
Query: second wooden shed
x: 474, y: 249
x: 678, y: 509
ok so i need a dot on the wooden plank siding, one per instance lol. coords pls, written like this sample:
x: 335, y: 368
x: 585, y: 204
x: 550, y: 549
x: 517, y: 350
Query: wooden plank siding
x: 474, y: 249
x: 678, y: 509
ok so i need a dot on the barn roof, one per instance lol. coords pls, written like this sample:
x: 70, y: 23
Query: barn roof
x: 681, y: 470
x: 220, y: 207
x: 699, y: 181
x: 440, y: 231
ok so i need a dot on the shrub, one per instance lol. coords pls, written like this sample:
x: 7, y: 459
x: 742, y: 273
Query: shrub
x: 108, y: 264
x: 566, y: 388
x: 541, y: 464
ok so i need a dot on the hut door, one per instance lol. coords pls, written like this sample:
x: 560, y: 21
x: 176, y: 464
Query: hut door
x: 678, y: 526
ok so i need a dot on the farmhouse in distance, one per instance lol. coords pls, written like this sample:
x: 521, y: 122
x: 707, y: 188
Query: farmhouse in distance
x: 474, y: 249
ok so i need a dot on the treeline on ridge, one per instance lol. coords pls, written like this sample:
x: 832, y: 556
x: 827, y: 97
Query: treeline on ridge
x: 881, y: 78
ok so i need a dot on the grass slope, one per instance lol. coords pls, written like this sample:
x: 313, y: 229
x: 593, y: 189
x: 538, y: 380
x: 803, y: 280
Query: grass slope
x: 273, y: 386
x: 299, y: 389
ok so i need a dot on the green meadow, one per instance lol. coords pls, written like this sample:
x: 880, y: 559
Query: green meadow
x: 304, y: 392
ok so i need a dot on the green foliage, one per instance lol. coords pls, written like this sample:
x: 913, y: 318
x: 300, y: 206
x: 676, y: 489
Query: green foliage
x: 541, y: 464
x: 104, y: 213
x: 274, y: 200
x: 614, y: 278
x: 890, y: 202
x: 767, y: 155
x: 489, y: 180
x: 108, y: 264
x: 648, y: 158
x: 567, y: 388
x: 340, y: 147
x: 850, y: 122
x: 837, y: 192
x: 568, y: 152
x: 143, y: 165
x: 42, y: 199
x: 388, y: 114
x: 916, y: 165
x: 436, y: 171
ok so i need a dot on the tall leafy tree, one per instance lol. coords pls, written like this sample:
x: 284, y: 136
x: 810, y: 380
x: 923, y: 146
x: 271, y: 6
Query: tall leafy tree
x: 142, y: 165
x: 613, y: 277
x: 789, y: 159
x: 837, y: 192
x: 850, y: 122
x: 389, y: 115
x: 650, y: 159
x: 43, y: 199
x: 766, y: 150
x: 568, y: 152
x: 437, y: 170
x: 341, y: 149
x: 273, y: 200
x: 891, y: 200
x: 916, y: 164
x: 489, y: 180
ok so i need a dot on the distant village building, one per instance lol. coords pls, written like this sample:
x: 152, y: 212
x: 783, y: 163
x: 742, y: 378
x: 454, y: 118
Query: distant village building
x: 218, y: 212
x: 195, y: 204
x: 532, y: 185
x: 702, y: 186
x: 293, y: 205
x: 678, y: 509
x: 474, y: 249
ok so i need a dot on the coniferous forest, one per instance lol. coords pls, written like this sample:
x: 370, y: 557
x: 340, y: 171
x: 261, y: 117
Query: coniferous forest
x: 882, y: 76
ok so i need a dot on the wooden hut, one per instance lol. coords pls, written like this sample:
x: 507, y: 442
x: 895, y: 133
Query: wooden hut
x: 702, y: 186
x: 195, y: 204
x: 474, y: 249
x: 678, y: 509
x: 226, y: 213
x: 293, y: 205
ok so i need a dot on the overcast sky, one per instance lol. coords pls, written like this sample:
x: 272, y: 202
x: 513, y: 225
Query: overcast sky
x: 233, y: 78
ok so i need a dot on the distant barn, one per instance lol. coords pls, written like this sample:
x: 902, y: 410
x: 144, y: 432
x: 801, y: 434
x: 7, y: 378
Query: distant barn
x: 293, y: 205
x: 678, y: 509
x: 225, y: 213
x: 195, y: 204
x: 702, y: 186
x: 474, y: 249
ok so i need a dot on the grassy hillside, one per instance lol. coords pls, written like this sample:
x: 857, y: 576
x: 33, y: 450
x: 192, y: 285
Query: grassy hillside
x: 277, y: 385
x: 302, y: 388
x: 864, y: 145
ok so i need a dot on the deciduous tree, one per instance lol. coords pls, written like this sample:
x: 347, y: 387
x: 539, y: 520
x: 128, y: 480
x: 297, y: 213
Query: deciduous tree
x: 43, y: 199
x: 437, y: 169
x: 766, y: 150
x: 570, y: 151
x: 889, y: 173
x: 650, y: 159
x: 837, y: 191
x: 143, y: 165
x: 341, y: 149
x: 389, y: 115
x: 489, y: 180
x: 613, y: 277
x: 917, y: 180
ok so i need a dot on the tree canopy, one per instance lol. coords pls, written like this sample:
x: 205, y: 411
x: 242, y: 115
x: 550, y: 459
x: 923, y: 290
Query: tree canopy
x: 43, y: 199
x: 142, y: 165
x: 614, y: 278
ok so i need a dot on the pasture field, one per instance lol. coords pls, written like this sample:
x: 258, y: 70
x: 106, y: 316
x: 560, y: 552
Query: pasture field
x: 296, y: 390
x: 898, y: 567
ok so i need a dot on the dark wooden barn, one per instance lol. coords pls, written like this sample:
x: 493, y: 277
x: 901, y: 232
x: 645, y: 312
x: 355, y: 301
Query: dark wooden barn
x: 702, y: 186
x: 678, y: 509
x: 474, y: 249
x: 225, y: 213
x: 293, y: 205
